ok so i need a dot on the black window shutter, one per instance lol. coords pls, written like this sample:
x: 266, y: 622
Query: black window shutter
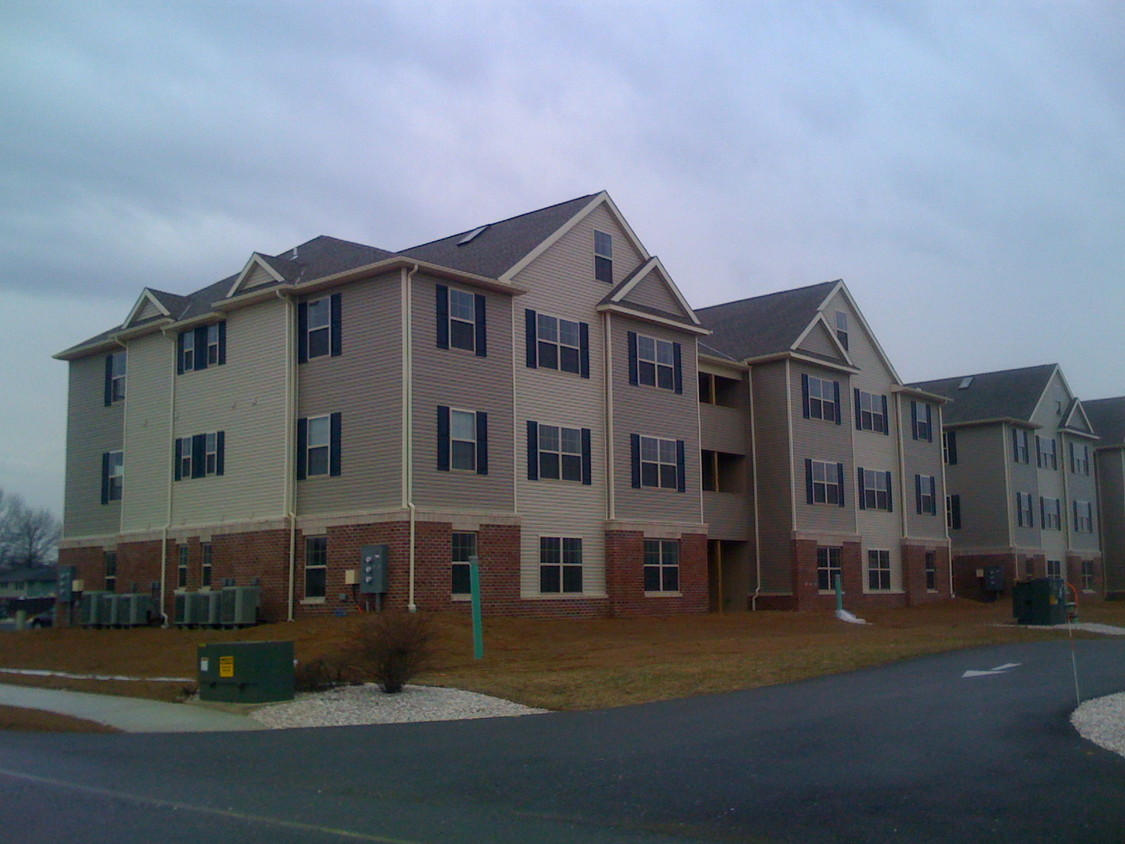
x: 482, y: 443
x: 532, y: 450
x: 532, y: 330
x: 443, y: 438
x: 200, y: 356
x: 222, y: 342
x: 180, y: 353
x: 862, y: 494
x: 840, y: 480
x: 584, y: 349
x: 681, y: 467
x: 632, y: 337
x: 952, y: 447
x: 105, y: 477
x: 177, y: 456
x: 890, y: 493
x: 839, y: 408
x: 929, y: 424
x: 678, y: 371
x: 1038, y: 451
x: 805, y: 395
x: 918, y: 493
x: 587, y: 458
x: 334, y: 444
x: 198, y: 455
x: 1042, y: 511
x: 886, y: 418
x: 955, y: 511
x: 336, y: 326
x: 108, y: 386
x: 1071, y: 445
x: 302, y: 447
x: 808, y: 481
x: 858, y: 410
x: 914, y: 422
x: 442, y: 305
x: 220, y: 452
x: 302, y: 333
x: 482, y: 326
x: 635, y: 453
x: 933, y: 496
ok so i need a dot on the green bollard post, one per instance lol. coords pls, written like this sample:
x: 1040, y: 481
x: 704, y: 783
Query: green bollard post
x: 839, y: 594
x: 474, y: 588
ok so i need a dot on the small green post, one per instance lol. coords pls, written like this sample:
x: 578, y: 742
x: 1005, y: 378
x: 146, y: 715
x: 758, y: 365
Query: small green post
x: 474, y: 588
x: 839, y: 594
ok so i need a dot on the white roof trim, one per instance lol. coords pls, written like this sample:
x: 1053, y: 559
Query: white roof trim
x: 644, y: 272
x: 841, y: 287
x: 256, y: 260
x: 1043, y: 393
x: 146, y: 297
x: 623, y: 308
x: 820, y: 319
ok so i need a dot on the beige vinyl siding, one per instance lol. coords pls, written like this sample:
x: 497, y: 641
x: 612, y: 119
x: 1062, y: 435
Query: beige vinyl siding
x: 364, y: 385
x: 246, y: 399
x: 651, y: 292
x: 575, y: 250
x: 655, y: 412
x: 258, y: 275
x: 461, y: 380
x: 1111, y: 489
x: 921, y: 458
x: 725, y: 428
x: 148, y: 455
x: 817, y: 439
x: 91, y: 429
x: 775, y: 477
x: 819, y: 343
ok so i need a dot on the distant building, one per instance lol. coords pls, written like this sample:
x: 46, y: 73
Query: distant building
x: 1108, y: 418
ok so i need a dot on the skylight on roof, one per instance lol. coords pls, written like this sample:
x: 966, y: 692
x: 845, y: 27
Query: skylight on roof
x: 966, y: 382
x: 472, y: 235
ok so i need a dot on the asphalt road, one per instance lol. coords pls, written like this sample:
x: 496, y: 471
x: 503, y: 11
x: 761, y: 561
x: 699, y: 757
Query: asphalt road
x: 913, y: 752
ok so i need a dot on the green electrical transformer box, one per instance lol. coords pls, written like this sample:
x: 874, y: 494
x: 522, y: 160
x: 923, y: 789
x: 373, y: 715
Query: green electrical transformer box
x: 246, y: 672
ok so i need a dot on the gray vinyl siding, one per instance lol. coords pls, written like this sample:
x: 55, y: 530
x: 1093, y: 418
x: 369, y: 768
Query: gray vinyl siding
x: 459, y: 379
x: 1051, y: 482
x: 1111, y: 489
x: 727, y: 429
x: 148, y: 452
x: 1080, y: 488
x: 246, y: 399
x: 775, y: 477
x: 728, y: 516
x: 91, y: 429
x: 364, y: 385
x: 818, y: 439
x: 818, y: 342
x: 922, y: 458
x: 561, y: 283
x: 655, y: 412
x: 979, y: 478
x: 652, y: 293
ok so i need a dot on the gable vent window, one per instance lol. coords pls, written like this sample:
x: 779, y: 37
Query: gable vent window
x: 842, y: 328
x: 603, y: 257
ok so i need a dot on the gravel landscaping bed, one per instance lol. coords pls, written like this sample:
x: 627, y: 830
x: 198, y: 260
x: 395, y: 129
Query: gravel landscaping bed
x: 1102, y: 721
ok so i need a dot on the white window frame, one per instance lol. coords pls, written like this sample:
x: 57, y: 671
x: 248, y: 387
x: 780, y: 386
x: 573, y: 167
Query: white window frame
x: 654, y: 452
x: 662, y: 561
x: 842, y: 328
x: 187, y: 351
x: 318, y: 428
x: 1087, y: 575
x: 117, y: 376
x: 930, y: 568
x: 871, y: 416
x: 1054, y: 568
x: 116, y: 475
x: 876, y: 490
x: 878, y: 570
x: 822, y: 399
x: 1047, y: 457
x: 463, y: 459
x: 549, y: 332
x: 1083, y: 517
x: 182, y: 567
x: 462, y: 320
x: 206, y: 563
x: 213, y: 344
x: 1021, y: 450
x: 553, y: 447
x: 460, y: 552
x: 826, y: 479
x: 1050, y: 511
x: 316, y: 562
x: 927, y: 500
x: 318, y: 325
x: 656, y: 362
x: 603, y: 256
x: 1025, y: 510
x: 109, y: 562
x: 828, y: 565
x: 568, y: 563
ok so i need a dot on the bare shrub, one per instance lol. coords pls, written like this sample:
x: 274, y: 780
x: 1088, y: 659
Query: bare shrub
x: 391, y: 647
x: 320, y: 675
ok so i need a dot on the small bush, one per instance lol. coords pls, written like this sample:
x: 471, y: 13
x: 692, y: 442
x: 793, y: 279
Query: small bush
x: 320, y: 675
x: 390, y: 648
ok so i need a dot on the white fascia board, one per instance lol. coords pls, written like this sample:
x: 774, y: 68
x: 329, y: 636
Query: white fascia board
x: 653, y: 263
x: 254, y: 261
x: 820, y: 319
x: 146, y: 296
x: 624, y: 309
x: 841, y: 287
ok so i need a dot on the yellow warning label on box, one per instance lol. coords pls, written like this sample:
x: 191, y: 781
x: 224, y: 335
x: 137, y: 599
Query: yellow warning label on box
x: 226, y: 666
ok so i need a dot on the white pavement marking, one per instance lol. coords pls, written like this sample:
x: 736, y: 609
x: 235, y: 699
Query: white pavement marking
x: 992, y: 672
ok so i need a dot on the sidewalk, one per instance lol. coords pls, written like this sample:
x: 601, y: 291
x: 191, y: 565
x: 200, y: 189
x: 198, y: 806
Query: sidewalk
x: 130, y: 714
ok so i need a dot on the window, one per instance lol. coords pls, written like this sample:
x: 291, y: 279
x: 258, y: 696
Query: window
x: 462, y: 440
x: 953, y: 512
x: 925, y: 493
x: 949, y: 448
x: 874, y: 490
x: 827, y: 567
x: 921, y: 421
x: 870, y: 412
x: 206, y: 564
x: 318, y: 446
x: 181, y: 569
x: 1079, y: 459
x: 1020, y: 452
x: 560, y: 564
x: 1054, y: 568
x: 820, y: 398
x: 556, y: 343
x: 662, y: 565
x: 464, y: 548
x: 113, y: 476
x: 114, y: 377
x: 603, y: 257
x: 558, y: 453
x: 1087, y: 575
x: 316, y: 566
x: 1046, y: 455
x: 658, y: 463
x: 824, y: 482
x: 842, y: 328
x: 655, y: 363
x: 1050, y: 513
x: 1025, y: 515
x: 461, y: 320
x: 199, y: 456
x: 201, y: 347
x: 1083, y: 517
x: 1028, y: 568
x: 878, y: 571
x: 931, y: 571
x: 109, y: 558
x: 319, y: 332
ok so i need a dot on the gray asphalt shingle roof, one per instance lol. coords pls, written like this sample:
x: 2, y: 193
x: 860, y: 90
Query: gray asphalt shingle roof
x: 1108, y: 418
x: 1009, y: 394
x: 763, y: 325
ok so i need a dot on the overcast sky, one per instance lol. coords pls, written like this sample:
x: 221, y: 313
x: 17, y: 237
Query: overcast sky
x: 960, y: 166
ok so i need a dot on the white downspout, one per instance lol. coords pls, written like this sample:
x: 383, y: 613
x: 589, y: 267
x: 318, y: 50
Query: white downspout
x: 289, y: 487
x: 171, y: 480
x: 945, y: 493
x: 607, y: 342
x: 754, y: 490
x: 408, y: 425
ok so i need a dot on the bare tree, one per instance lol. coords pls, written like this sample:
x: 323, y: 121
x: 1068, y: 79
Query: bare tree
x: 28, y: 537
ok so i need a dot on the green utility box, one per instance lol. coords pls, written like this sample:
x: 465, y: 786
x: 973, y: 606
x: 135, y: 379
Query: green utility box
x: 246, y: 672
x: 1041, y: 601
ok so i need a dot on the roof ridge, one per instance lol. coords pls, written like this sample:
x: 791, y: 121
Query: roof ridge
x: 768, y: 295
x: 990, y: 372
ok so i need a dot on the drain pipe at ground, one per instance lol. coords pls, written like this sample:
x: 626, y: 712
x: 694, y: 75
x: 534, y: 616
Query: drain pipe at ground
x: 408, y: 424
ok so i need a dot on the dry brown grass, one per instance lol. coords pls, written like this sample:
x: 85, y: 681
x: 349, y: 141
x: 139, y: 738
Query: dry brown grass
x: 35, y: 721
x: 565, y: 664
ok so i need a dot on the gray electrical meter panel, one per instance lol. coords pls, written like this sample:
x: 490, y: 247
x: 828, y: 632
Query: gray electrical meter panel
x: 373, y: 569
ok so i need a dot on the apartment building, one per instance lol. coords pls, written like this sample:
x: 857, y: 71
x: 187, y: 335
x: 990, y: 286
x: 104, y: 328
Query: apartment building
x: 1108, y: 418
x: 818, y: 461
x: 524, y: 392
x: 1020, y: 468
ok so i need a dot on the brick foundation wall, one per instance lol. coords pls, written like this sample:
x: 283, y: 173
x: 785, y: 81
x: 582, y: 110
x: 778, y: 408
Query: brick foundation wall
x: 624, y: 560
x: 966, y: 584
x: 914, y: 573
x: 1074, y: 575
